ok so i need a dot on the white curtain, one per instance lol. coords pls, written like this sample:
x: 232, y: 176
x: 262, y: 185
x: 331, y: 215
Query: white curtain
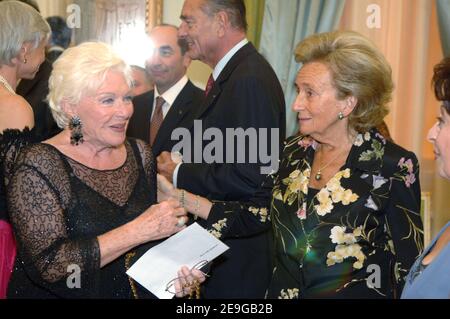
x: 443, y: 10
x: 409, y: 38
x: 87, y: 30
x: 128, y: 17
x: 54, y: 7
x: 403, y: 38
x: 120, y: 23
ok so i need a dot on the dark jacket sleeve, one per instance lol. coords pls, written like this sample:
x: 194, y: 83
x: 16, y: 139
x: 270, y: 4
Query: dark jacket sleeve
x: 403, y: 218
x: 242, y: 219
x: 259, y: 110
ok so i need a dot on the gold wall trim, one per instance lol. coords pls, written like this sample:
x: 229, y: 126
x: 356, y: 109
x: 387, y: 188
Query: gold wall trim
x: 153, y: 14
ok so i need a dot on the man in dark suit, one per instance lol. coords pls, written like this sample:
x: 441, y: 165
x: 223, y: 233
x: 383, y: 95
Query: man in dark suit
x: 167, y: 67
x: 243, y: 92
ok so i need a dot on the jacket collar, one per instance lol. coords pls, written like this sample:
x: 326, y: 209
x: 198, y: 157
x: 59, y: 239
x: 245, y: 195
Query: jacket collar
x: 237, y: 59
x: 177, y: 112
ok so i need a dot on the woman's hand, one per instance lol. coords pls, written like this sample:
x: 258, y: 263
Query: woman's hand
x: 188, y: 282
x: 166, y: 190
x: 157, y: 222
x: 194, y: 204
x: 160, y: 221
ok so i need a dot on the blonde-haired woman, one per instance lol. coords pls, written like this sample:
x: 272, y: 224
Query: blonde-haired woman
x: 83, y: 203
x: 23, y: 37
x: 344, y: 205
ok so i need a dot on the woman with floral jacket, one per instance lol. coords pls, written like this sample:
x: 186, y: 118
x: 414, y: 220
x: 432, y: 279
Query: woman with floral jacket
x: 344, y: 204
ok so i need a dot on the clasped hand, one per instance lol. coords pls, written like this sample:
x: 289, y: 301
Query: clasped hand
x: 166, y: 190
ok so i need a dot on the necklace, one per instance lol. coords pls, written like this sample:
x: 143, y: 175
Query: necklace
x: 318, y: 175
x: 6, y: 85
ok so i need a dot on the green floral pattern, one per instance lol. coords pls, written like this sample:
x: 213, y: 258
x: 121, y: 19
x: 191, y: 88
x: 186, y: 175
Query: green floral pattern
x: 367, y: 214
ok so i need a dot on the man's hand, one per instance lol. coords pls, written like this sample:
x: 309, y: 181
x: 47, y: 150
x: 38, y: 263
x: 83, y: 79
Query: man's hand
x: 166, y: 190
x: 166, y: 166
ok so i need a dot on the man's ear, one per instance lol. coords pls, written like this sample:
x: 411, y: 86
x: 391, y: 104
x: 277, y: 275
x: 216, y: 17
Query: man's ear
x: 186, y: 61
x: 222, y: 22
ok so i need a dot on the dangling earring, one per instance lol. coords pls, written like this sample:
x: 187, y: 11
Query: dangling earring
x: 340, y: 116
x: 25, y: 61
x: 75, y: 126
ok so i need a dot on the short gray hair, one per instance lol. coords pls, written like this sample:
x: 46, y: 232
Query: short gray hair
x: 79, y: 71
x: 19, y: 24
x: 234, y: 8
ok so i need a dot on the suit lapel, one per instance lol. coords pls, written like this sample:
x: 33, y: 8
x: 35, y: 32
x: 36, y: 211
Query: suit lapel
x: 174, y: 117
x: 215, y: 92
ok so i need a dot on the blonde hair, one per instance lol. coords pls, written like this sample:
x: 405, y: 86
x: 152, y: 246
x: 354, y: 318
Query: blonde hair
x: 19, y: 24
x: 81, y: 70
x: 357, y: 68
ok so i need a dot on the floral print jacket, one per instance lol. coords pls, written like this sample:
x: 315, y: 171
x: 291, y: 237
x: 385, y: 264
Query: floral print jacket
x: 355, y: 238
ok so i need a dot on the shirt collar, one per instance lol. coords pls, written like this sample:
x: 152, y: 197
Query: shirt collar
x: 55, y: 48
x: 171, y: 94
x: 223, y: 62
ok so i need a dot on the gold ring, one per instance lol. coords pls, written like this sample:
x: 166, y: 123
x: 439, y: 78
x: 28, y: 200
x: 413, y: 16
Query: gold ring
x: 181, y: 221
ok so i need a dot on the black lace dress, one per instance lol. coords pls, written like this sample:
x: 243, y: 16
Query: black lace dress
x: 59, y: 207
x: 11, y: 142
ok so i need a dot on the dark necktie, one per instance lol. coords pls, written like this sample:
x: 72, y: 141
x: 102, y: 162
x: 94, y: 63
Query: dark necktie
x: 209, y: 85
x: 157, y: 119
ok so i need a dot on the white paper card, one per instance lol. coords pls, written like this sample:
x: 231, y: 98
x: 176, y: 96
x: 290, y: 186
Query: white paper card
x: 160, y: 264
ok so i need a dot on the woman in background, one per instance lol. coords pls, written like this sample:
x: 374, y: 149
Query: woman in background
x: 430, y: 275
x: 23, y: 37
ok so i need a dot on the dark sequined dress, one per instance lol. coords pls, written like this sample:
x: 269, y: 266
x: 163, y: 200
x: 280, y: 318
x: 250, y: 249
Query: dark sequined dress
x: 59, y: 207
x: 11, y: 142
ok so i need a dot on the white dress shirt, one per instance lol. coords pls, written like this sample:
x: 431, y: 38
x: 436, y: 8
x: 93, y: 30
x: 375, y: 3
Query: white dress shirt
x: 169, y: 96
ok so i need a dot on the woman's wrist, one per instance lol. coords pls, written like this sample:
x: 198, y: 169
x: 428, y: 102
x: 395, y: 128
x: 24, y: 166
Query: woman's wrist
x: 194, y: 204
x: 181, y: 196
x: 133, y: 236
